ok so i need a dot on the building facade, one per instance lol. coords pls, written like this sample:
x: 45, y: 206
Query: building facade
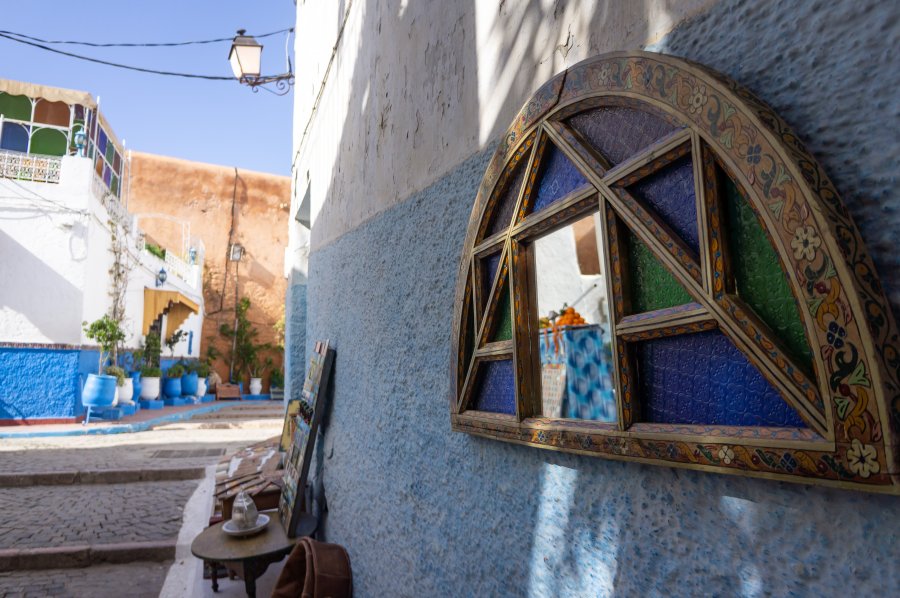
x: 177, y: 200
x: 63, y: 175
x: 399, y: 110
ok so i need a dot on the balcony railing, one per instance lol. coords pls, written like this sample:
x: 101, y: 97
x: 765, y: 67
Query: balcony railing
x: 112, y: 204
x: 29, y: 167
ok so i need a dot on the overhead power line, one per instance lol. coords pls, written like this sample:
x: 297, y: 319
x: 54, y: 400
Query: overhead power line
x: 11, y: 36
x: 137, y: 45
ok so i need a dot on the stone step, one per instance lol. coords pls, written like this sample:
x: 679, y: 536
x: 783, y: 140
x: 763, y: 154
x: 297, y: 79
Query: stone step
x: 76, y: 525
x: 143, y: 579
x: 109, y: 476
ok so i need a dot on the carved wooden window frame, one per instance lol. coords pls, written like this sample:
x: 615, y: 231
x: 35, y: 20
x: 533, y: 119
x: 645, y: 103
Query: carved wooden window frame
x: 850, y: 402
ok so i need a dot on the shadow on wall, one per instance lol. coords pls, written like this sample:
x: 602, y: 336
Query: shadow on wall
x: 32, y: 289
x: 424, y: 511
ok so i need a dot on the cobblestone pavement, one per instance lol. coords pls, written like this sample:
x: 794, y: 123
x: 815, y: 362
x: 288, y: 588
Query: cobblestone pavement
x: 67, y: 514
x: 134, y: 580
x: 92, y: 514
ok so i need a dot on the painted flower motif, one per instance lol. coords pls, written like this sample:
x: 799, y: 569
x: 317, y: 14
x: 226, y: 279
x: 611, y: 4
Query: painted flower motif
x: 603, y: 75
x: 697, y: 99
x: 805, y: 243
x: 541, y: 436
x: 862, y: 459
x: 754, y: 154
x: 835, y: 335
x: 726, y: 454
x: 788, y: 462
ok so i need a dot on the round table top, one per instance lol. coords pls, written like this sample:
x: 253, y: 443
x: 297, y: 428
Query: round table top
x: 213, y: 544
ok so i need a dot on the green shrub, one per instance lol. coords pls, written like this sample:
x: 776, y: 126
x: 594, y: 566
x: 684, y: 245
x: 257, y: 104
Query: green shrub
x: 176, y: 371
x: 276, y: 379
x: 155, y: 250
x: 203, y: 370
x: 116, y: 371
x: 150, y: 371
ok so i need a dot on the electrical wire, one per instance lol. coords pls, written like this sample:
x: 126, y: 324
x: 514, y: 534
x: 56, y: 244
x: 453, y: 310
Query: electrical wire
x: 137, y: 45
x: 116, y: 64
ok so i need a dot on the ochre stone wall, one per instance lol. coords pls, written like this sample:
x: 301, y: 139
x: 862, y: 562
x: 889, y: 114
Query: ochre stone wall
x: 205, y: 195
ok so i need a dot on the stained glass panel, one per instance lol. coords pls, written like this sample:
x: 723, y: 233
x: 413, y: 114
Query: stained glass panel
x: 495, y: 387
x: 503, y: 318
x: 618, y: 132
x: 51, y: 142
x: 14, y: 137
x: 110, y: 152
x: 557, y: 177
x: 670, y: 193
x: 51, y: 113
x: 101, y: 143
x: 503, y: 211
x: 759, y: 279
x: 703, y: 379
x: 652, y: 285
x: 107, y: 175
x: 18, y: 107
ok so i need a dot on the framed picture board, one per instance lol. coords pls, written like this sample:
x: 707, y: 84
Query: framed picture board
x: 300, y: 430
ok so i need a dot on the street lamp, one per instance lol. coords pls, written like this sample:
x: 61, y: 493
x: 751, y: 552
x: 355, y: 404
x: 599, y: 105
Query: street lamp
x: 161, y: 277
x: 80, y: 138
x: 246, y: 58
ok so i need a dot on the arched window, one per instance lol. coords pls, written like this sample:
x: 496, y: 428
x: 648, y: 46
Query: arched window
x: 655, y: 269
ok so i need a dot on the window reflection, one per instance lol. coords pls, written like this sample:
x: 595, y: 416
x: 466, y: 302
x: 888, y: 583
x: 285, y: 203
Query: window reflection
x: 574, y: 333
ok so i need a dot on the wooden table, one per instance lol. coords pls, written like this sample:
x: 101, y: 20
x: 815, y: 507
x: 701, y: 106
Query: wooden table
x: 251, y: 555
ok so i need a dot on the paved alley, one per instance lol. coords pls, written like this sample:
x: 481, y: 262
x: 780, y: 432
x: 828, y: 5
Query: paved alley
x: 90, y: 515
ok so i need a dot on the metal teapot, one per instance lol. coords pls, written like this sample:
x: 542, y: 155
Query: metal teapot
x: 244, y: 512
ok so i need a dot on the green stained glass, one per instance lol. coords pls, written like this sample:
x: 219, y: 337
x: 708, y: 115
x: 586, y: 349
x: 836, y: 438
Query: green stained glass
x: 50, y: 142
x: 759, y: 278
x: 15, y: 106
x: 110, y: 152
x: 503, y: 317
x: 114, y: 185
x: 652, y: 285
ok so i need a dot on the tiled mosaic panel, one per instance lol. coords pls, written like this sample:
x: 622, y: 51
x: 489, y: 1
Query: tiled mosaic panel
x: 503, y: 318
x: 495, y: 387
x: 652, y: 285
x: 618, y: 133
x: 703, y: 379
x: 587, y: 355
x: 503, y: 211
x: 670, y: 193
x: 557, y: 177
x: 759, y: 278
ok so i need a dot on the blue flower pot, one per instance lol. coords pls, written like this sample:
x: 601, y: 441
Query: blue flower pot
x: 189, y: 384
x: 136, y: 383
x: 172, y: 387
x: 99, y: 391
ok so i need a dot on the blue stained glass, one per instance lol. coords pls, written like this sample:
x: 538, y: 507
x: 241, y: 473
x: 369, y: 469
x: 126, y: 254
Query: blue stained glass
x: 14, y: 137
x: 557, y: 177
x: 670, y: 193
x: 107, y: 175
x: 618, y: 132
x: 102, y: 142
x: 489, y: 267
x: 495, y: 387
x: 704, y: 379
x: 503, y: 211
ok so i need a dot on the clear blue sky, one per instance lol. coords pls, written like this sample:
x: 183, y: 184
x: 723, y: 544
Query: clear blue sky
x: 220, y: 122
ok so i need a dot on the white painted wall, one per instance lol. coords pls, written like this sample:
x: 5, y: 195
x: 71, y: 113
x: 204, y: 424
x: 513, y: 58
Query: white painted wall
x: 55, y: 261
x: 417, y: 87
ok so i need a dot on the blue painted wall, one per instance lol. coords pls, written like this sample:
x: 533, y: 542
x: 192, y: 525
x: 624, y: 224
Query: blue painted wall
x: 426, y: 512
x: 37, y: 383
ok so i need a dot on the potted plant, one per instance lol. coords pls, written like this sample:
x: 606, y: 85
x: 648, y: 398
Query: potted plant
x: 257, y: 371
x: 124, y: 390
x: 100, y: 389
x: 150, y: 376
x: 276, y: 385
x: 202, y: 373
x: 190, y: 380
x: 137, y: 362
x: 172, y: 385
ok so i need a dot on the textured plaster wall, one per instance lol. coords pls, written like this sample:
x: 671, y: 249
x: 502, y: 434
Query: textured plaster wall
x: 426, y: 512
x: 202, y: 194
x: 40, y: 383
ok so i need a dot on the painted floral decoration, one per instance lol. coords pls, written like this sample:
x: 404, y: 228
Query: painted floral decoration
x: 603, y: 75
x: 697, y: 99
x: 862, y: 459
x: 805, y: 243
x: 726, y: 455
x: 836, y: 334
